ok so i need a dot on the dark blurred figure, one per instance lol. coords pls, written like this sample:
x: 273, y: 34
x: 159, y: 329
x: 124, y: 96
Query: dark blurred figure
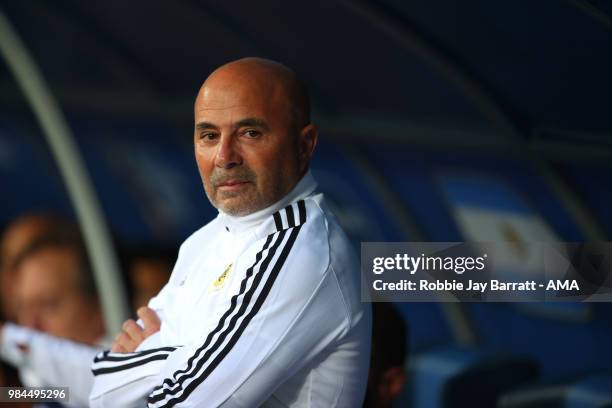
x: 149, y: 269
x: 9, y: 377
x: 389, y: 356
x: 55, y: 288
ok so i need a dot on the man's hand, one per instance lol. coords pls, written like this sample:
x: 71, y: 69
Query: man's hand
x: 132, y: 334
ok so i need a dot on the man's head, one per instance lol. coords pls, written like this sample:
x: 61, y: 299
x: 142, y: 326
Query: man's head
x: 55, y: 291
x: 253, y: 138
x: 17, y: 236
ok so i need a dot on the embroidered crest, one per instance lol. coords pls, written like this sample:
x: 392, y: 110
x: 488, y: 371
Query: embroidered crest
x: 220, y: 281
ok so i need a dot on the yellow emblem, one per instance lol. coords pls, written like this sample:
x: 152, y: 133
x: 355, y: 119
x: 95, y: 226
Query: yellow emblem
x: 220, y: 281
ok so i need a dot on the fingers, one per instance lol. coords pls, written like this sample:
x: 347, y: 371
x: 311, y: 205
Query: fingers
x: 133, y: 330
x: 123, y: 344
x: 118, y: 348
x: 150, y: 320
x: 132, y: 335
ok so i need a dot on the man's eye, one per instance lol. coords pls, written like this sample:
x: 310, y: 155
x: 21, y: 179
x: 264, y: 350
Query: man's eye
x: 252, y: 133
x: 208, y: 136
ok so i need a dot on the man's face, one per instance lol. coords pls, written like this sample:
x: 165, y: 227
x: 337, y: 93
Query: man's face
x: 13, y: 242
x: 246, y: 149
x: 49, y: 300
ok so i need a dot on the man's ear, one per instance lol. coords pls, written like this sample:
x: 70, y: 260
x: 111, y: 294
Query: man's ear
x: 306, y: 144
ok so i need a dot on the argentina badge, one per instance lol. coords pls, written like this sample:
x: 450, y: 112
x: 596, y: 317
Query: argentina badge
x: 218, y: 283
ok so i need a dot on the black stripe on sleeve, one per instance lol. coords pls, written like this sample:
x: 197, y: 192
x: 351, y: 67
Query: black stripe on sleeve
x: 108, y: 370
x: 290, y: 218
x: 302, y: 211
x: 108, y: 356
x: 289, y: 213
x: 189, y: 370
x: 236, y: 336
x: 278, y: 222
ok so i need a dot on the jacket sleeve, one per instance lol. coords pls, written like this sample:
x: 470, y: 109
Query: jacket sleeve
x: 287, y: 310
x: 124, y: 379
x: 49, y: 361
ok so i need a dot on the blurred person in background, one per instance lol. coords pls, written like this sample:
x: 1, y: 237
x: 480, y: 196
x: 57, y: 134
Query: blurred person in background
x: 16, y: 236
x: 149, y: 269
x: 59, y: 326
x: 388, y: 359
x: 55, y: 290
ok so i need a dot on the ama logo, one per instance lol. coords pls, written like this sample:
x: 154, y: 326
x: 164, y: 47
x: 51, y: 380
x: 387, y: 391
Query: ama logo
x: 557, y: 285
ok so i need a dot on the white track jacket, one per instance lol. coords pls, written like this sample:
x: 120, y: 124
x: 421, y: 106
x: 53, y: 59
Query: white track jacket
x: 261, y: 310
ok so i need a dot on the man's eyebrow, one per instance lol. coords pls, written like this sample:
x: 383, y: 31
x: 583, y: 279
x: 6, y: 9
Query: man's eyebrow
x: 254, y: 122
x: 206, y: 126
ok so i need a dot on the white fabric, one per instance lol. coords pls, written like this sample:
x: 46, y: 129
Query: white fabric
x: 283, y: 326
x: 45, y: 360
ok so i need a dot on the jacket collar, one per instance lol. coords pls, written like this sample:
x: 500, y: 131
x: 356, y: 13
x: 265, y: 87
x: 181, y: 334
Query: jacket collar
x: 305, y: 187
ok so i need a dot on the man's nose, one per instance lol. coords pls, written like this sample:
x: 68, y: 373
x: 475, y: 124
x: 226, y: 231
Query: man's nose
x: 227, y: 155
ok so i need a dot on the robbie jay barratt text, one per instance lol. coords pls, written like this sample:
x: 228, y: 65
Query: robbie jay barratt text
x: 493, y: 285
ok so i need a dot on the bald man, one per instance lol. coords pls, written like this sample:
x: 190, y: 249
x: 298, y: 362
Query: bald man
x: 263, y: 305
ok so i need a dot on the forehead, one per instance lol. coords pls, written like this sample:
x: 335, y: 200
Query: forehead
x: 18, y: 237
x: 49, y: 263
x: 220, y: 102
